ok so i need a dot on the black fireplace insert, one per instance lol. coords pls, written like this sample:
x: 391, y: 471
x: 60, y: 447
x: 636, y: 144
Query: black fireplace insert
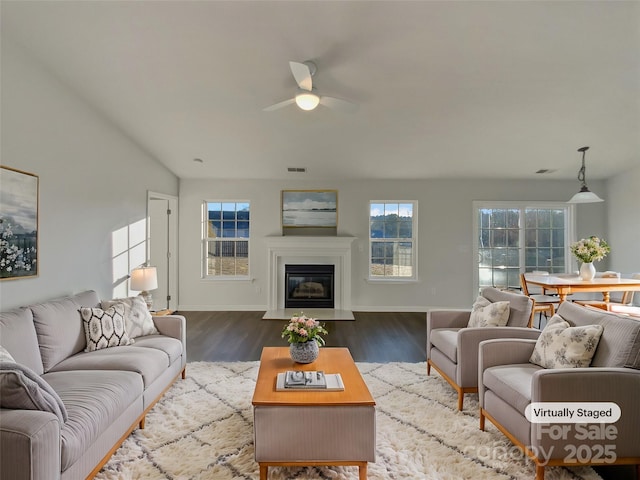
x: 309, y: 286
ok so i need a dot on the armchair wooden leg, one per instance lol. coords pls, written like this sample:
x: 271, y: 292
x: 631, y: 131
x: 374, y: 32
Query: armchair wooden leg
x: 460, y: 399
x: 481, y: 420
x: 539, y: 472
x: 428, y: 368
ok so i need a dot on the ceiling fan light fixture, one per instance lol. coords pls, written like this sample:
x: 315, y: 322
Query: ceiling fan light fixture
x: 307, y: 100
x: 584, y: 195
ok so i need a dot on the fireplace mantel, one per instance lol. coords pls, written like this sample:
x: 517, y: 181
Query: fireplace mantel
x: 309, y: 250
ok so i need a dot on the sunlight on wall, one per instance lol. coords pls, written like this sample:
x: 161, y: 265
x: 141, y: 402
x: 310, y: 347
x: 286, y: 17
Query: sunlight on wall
x: 129, y: 250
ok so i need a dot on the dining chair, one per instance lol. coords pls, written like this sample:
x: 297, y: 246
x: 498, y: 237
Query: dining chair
x: 543, y: 304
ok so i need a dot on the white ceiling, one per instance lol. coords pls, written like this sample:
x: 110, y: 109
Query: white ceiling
x: 444, y: 88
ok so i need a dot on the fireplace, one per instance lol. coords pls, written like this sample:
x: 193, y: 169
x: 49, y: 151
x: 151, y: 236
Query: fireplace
x: 292, y: 250
x: 309, y: 286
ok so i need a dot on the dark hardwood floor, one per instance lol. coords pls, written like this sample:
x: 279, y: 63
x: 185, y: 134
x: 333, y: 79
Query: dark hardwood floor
x: 372, y: 337
x: 240, y: 336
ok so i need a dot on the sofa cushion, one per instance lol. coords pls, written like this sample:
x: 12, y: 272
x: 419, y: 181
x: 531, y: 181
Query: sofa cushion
x: 59, y: 328
x: 137, y: 317
x: 104, y: 328
x: 5, y: 356
x: 446, y: 340
x: 94, y: 401
x: 18, y: 336
x: 512, y: 383
x: 619, y: 344
x: 23, y: 389
x: 487, y: 314
x: 562, y: 346
x: 148, y: 362
x: 519, y: 305
x: 172, y: 347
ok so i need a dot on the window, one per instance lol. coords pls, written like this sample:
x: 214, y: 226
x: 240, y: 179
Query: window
x: 226, y: 239
x: 512, y: 238
x: 393, y: 240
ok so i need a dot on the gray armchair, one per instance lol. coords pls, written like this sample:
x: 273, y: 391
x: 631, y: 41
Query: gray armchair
x: 509, y: 382
x: 452, y: 347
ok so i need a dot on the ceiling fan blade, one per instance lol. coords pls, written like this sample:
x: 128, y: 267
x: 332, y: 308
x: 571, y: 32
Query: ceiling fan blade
x: 302, y: 74
x: 278, y: 105
x: 338, y: 104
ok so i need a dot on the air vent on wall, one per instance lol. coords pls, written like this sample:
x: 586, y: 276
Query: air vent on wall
x: 296, y: 169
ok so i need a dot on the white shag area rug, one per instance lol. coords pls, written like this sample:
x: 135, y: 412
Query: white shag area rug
x: 202, y: 428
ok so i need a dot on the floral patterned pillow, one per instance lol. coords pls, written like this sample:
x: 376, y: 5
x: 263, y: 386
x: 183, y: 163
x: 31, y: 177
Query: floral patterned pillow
x: 562, y: 346
x: 487, y: 314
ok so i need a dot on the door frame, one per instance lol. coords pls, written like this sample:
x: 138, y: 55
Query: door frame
x: 172, y: 238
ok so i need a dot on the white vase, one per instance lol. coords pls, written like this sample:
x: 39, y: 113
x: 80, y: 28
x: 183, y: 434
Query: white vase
x: 587, y: 271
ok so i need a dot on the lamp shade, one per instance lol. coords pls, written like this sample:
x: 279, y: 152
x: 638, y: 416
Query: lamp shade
x: 585, y: 196
x: 307, y: 100
x: 144, y: 279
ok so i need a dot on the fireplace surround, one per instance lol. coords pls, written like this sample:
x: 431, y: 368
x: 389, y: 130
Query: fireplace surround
x: 304, y: 250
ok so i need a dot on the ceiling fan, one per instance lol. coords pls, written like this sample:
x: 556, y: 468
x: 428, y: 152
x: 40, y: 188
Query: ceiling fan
x: 307, y: 97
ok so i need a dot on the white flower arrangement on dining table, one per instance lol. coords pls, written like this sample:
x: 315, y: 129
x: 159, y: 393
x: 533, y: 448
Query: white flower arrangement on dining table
x: 590, y: 249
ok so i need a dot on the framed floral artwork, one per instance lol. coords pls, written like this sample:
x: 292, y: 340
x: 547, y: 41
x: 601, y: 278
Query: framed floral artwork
x: 18, y: 224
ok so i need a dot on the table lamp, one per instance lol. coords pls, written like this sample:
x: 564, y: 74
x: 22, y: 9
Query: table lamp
x: 144, y: 279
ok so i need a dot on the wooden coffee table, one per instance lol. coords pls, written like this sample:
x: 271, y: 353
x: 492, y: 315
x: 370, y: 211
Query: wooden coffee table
x: 309, y: 428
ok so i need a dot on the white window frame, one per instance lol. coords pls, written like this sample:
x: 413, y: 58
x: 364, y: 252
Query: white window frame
x: 205, y: 240
x: 414, y: 245
x: 569, y: 228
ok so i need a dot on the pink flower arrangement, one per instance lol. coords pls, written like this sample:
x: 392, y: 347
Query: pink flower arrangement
x: 301, y: 329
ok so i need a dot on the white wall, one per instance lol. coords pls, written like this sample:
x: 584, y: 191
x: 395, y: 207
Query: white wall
x: 445, y: 236
x: 623, y: 222
x: 93, y: 184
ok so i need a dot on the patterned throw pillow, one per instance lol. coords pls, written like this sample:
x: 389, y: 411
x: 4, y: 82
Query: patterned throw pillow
x: 104, y: 328
x: 562, y: 346
x: 487, y: 314
x: 137, y: 318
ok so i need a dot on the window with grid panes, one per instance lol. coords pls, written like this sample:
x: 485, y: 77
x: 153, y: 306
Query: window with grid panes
x: 514, y: 238
x: 226, y: 239
x: 393, y: 240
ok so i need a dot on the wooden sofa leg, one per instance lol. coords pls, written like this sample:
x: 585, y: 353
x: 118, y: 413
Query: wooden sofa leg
x: 428, y: 368
x: 460, y: 400
x: 481, y: 420
x: 141, y: 424
x: 539, y: 472
x: 184, y: 373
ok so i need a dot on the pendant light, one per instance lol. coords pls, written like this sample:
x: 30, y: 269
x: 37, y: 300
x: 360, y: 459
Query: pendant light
x: 584, y: 195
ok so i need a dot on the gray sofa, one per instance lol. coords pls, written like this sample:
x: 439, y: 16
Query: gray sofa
x: 105, y: 393
x: 508, y: 382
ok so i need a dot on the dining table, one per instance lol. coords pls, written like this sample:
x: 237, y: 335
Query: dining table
x: 567, y: 284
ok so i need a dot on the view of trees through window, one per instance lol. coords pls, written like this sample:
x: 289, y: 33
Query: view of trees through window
x: 392, y: 240
x: 520, y: 239
x: 226, y: 239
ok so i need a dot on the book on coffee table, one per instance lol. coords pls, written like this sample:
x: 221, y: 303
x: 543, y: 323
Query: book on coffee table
x: 292, y: 380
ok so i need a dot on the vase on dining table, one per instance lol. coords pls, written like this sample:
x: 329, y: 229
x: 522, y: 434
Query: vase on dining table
x: 587, y: 271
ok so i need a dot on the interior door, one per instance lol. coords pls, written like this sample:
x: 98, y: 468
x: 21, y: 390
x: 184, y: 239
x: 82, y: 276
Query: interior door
x: 162, y: 227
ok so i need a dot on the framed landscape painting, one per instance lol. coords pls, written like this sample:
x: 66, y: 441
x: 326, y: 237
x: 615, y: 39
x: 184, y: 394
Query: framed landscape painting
x: 18, y: 224
x: 310, y: 208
